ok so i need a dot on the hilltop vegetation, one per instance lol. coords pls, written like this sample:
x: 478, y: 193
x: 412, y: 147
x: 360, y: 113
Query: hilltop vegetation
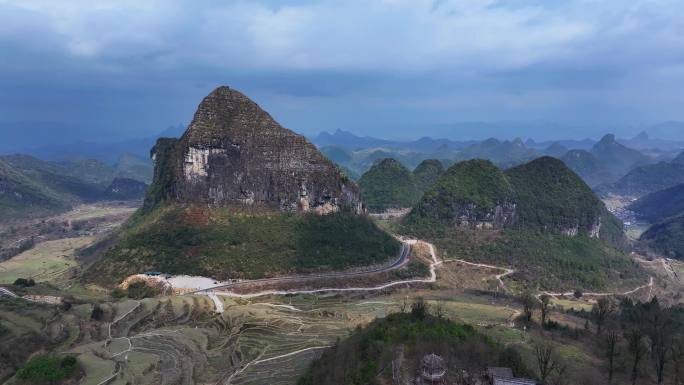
x: 468, y: 191
x: 552, y: 198
x: 427, y: 173
x: 388, y: 184
x: 366, y: 356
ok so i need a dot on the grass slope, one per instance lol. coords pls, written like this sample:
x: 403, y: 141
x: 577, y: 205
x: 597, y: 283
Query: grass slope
x: 223, y: 244
x: 553, y: 262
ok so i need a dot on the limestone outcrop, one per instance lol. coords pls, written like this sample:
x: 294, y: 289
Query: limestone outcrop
x: 235, y: 153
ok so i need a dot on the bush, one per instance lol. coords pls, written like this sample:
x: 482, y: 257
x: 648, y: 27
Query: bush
x: 119, y: 293
x: 140, y: 290
x: 419, y: 309
x: 97, y: 313
x: 23, y: 282
x: 47, y: 369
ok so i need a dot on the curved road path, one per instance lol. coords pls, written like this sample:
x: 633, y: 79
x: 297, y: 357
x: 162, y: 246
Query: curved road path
x: 402, y: 259
x: 219, y: 290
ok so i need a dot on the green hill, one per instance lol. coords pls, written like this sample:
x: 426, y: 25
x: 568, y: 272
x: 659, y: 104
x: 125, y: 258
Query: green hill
x: 506, y: 152
x: 666, y: 237
x: 388, y: 184
x: 650, y: 178
x: 539, y: 218
x: 556, y: 150
x: 660, y: 205
x: 33, y: 187
x: 21, y: 196
x: 585, y: 164
x: 134, y: 167
x: 426, y: 173
x: 367, y: 355
x: 239, y: 196
x: 552, y: 198
x: 618, y: 158
x: 473, y: 192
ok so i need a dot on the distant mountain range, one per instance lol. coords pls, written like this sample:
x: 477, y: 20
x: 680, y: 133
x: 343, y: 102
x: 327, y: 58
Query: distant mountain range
x: 51, y: 141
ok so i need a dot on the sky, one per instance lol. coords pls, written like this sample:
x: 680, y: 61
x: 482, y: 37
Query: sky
x: 388, y: 68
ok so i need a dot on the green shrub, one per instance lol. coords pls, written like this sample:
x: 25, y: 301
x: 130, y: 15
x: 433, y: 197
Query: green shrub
x: 140, y: 290
x: 23, y: 282
x: 47, y: 369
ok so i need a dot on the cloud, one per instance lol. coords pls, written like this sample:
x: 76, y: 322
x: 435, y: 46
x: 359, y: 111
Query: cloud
x: 358, y: 35
x: 459, y: 59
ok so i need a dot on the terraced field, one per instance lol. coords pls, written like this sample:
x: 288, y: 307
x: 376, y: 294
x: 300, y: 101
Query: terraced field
x: 47, y: 261
x: 182, y: 339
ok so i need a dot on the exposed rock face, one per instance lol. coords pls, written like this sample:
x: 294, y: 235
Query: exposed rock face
x: 234, y: 153
x: 542, y: 195
x: 501, y: 216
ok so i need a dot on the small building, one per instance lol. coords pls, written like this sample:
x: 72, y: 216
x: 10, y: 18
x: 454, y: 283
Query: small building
x: 433, y: 370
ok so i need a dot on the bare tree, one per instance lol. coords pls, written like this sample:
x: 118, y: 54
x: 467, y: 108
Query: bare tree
x: 677, y: 354
x: 635, y: 343
x: 528, y: 302
x: 612, y: 339
x: 544, y: 306
x: 660, y: 328
x: 439, y: 310
x: 546, y: 360
x: 600, y: 312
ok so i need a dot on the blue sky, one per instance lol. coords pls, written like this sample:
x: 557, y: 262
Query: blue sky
x: 392, y: 68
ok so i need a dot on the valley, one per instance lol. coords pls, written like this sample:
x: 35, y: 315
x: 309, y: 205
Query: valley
x: 246, y: 336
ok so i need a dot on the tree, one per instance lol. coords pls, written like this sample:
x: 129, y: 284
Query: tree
x: 677, y: 354
x: 528, y: 302
x: 419, y: 309
x: 635, y: 344
x: 97, y: 313
x: 660, y: 327
x: 546, y: 360
x: 601, y: 310
x: 544, y: 306
x: 612, y: 339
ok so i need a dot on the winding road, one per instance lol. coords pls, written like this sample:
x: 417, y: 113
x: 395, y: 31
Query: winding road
x: 402, y: 259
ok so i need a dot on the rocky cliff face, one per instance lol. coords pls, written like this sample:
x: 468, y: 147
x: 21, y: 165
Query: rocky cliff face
x: 235, y: 153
